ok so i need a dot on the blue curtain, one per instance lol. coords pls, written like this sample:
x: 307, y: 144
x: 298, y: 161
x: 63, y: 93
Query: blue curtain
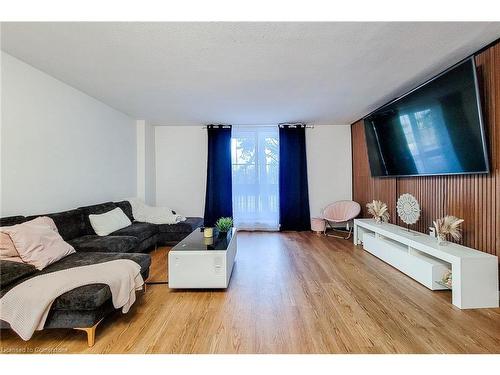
x: 294, y: 195
x: 218, y: 198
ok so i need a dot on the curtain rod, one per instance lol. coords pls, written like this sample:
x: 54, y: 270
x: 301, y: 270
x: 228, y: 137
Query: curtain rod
x: 307, y: 126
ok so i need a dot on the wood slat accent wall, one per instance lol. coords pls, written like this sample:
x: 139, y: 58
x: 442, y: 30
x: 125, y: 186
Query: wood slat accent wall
x: 475, y: 198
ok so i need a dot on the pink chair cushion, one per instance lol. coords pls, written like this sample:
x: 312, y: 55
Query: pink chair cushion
x: 38, y: 242
x: 341, y: 211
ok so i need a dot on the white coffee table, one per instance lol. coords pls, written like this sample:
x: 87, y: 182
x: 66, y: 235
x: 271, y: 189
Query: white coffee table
x: 202, y: 263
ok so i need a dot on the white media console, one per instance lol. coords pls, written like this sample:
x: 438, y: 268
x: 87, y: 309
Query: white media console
x: 474, y: 273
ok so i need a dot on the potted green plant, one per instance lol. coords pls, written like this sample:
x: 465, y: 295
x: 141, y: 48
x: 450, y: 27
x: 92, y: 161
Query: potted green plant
x: 224, y: 225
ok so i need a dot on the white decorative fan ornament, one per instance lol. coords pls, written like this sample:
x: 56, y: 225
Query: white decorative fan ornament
x: 408, y: 209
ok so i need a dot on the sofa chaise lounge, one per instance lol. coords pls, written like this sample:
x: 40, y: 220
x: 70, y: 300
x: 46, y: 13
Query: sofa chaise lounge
x: 81, y: 308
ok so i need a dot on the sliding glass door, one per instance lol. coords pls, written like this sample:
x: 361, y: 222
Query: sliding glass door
x: 255, y: 176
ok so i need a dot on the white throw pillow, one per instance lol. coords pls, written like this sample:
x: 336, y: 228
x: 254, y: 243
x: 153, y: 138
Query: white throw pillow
x: 109, y: 222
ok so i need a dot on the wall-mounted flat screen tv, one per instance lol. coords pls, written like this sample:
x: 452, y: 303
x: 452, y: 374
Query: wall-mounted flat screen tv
x: 435, y: 129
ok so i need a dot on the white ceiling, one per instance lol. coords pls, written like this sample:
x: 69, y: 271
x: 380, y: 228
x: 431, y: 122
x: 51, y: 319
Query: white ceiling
x: 244, y: 73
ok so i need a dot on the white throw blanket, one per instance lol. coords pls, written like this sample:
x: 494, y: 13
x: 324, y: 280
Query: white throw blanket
x: 26, y: 306
x: 154, y: 215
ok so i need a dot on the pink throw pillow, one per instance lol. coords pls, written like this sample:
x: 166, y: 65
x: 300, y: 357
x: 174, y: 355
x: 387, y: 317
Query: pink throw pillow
x: 45, y: 220
x: 7, y: 248
x: 38, y: 242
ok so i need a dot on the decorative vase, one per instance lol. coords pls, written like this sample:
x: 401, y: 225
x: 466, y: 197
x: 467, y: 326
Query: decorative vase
x: 222, y: 234
x: 379, y: 211
x: 441, y: 239
x: 448, y: 225
x: 447, y: 279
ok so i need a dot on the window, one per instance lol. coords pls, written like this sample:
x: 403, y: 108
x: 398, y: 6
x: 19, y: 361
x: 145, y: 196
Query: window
x: 255, y: 174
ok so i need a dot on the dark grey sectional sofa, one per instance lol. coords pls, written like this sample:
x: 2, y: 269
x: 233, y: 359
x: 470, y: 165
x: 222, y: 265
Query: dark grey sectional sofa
x: 84, y: 307
x: 74, y: 227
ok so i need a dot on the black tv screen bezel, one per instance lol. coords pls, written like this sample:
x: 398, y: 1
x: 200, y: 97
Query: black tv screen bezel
x: 481, y: 124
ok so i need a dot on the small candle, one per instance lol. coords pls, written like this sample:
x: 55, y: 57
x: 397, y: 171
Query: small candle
x: 208, y: 232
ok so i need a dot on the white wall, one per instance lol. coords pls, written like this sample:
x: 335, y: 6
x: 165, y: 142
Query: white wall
x: 181, y: 168
x: 329, y: 167
x: 181, y: 162
x: 146, y: 173
x: 60, y: 148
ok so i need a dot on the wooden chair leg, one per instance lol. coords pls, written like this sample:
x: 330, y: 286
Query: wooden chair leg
x: 90, y: 333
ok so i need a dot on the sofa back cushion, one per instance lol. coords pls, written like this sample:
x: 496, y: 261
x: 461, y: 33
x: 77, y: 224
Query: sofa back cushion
x: 13, y: 271
x: 95, y: 209
x: 38, y: 242
x: 126, y: 208
x: 11, y: 220
x: 70, y: 224
x: 109, y: 222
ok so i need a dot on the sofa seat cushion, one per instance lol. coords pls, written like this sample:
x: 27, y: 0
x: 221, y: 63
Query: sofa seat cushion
x: 90, y: 297
x: 141, y: 231
x: 107, y: 244
x: 85, y: 259
x: 187, y: 226
x: 13, y: 271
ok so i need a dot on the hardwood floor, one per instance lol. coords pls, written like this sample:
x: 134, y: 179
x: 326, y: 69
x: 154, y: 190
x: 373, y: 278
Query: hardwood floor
x: 289, y: 293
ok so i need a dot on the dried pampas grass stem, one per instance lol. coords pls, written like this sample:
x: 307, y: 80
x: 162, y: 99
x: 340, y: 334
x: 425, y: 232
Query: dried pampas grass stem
x: 378, y: 210
x: 449, y: 225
